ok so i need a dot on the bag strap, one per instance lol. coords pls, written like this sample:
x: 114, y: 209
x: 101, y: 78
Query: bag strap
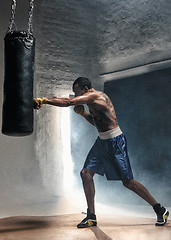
x: 12, y: 26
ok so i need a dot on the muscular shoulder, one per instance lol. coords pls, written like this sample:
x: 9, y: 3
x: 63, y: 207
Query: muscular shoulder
x: 102, y: 96
x: 98, y: 97
x: 107, y: 99
x: 92, y: 94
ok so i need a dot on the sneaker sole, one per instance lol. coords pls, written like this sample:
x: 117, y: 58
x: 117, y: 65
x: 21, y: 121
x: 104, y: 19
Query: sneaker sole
x: 165, y: 217
x: 87, y: 224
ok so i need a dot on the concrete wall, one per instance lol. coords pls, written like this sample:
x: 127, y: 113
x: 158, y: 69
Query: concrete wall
x: 133, y: 33
x: 66, y: 49
x: 19, y: 170
x: 133, y: 46
x: 74, y: 38
x: 32, y: 167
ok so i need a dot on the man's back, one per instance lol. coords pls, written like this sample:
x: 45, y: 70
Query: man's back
x: 102, y: 111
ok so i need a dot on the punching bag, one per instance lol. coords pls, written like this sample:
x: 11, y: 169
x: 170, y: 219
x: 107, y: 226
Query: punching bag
x: 19, y: 53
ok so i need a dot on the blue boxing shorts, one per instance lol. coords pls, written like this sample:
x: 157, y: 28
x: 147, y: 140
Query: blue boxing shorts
x: 109, y: 156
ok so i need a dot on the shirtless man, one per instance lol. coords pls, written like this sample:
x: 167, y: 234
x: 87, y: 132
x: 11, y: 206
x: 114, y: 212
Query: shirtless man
x: 109, y: 153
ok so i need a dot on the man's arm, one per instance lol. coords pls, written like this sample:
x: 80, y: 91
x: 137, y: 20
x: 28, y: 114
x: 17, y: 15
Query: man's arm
x: 59, y: 102
x: 79, y: 109
x: 65, y: 102
x: 89, y: 118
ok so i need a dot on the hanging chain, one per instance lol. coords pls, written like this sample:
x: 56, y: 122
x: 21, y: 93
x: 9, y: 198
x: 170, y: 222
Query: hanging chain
x: 12, y: 25
x: 30, y: 27
x: 11, y: 22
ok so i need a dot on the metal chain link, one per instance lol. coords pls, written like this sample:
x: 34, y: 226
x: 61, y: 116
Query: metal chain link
x: 11, y: 22
x: 30, y: 27
x: 12, y: 25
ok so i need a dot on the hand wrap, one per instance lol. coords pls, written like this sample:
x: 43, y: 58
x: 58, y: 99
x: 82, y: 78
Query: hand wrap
x: 79, y: 109
x: 38, y: 102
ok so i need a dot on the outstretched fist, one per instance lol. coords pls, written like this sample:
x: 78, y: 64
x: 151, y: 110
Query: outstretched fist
x: 38, y: 102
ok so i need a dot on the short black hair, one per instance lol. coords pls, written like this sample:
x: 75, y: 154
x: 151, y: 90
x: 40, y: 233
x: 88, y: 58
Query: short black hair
x: 82, y: 82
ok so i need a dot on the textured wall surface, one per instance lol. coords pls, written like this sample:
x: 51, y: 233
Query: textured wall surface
x: 132, y: 29
x: 66, y: 49
x: 66, y: 43
x: 19, y: 171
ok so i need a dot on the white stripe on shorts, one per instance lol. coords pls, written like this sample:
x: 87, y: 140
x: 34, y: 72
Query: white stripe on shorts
x: 110, y: 133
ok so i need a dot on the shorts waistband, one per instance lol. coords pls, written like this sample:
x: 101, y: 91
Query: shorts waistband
x: 110, y: 133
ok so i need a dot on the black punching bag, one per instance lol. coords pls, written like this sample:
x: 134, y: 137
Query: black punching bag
x: 17, y: 113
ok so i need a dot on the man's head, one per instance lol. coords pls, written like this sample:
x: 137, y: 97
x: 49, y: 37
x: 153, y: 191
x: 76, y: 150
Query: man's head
x: 81, y: 86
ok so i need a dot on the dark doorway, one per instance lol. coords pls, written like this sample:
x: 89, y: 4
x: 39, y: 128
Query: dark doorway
x: 143, y: 107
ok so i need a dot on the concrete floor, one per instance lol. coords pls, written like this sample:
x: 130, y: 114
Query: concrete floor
x: 63, y: 227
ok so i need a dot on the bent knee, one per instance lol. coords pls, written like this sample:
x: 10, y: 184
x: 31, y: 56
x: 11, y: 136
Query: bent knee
x: 131, y: 184
x: 127, y: 183
x: 82, y: 173
x: 86, y: 174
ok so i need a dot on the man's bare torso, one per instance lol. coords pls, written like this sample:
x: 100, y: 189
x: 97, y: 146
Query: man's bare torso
x: 102, y: 112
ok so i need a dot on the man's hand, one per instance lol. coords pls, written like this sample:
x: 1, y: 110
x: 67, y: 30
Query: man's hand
x: 38, y: 102
x: 79, y: 109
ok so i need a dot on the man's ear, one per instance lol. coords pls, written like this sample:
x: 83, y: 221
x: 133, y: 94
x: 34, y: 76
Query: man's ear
x: 86, y: 88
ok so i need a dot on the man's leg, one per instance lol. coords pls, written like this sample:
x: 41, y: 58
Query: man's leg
x: 89, y: 190
x: 138, y: 188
